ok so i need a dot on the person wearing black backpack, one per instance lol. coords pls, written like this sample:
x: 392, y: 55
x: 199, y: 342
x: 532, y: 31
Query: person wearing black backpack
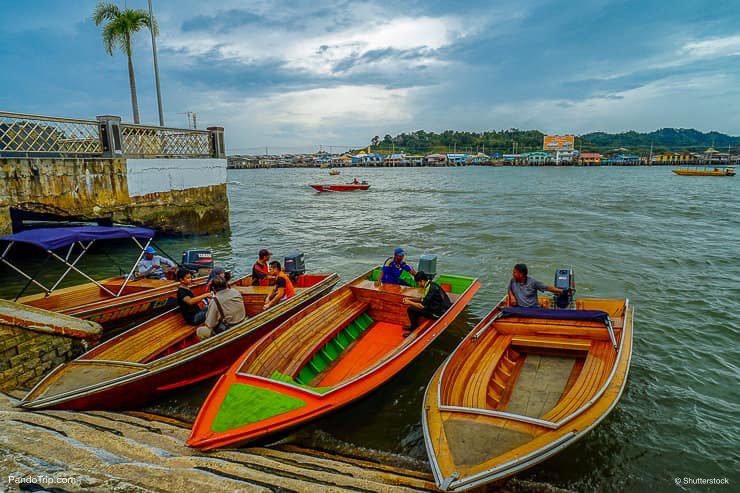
x: 432, y: 304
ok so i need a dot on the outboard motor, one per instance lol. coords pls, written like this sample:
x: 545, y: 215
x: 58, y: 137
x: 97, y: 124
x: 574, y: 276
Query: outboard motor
x: 195, y: 260
x: 428, y: 265
x: 294, y: 265
x: 564, y: 279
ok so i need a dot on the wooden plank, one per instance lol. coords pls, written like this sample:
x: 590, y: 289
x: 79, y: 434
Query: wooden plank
x: 551, y: 343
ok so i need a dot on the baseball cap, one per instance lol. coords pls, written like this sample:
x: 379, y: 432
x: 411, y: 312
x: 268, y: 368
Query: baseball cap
x: 218, y: 270
x: 264, y: 253
x: 421, y: 276
x: 150, y: 249
x: 399, y: 251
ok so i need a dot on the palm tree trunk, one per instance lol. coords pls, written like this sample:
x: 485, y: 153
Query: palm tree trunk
x: 132, y: 83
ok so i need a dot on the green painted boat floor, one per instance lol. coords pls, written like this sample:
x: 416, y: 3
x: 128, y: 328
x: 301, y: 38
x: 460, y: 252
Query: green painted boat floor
x: 246, y: 404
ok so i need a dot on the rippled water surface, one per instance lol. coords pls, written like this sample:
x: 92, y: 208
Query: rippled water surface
x: 668, y: 243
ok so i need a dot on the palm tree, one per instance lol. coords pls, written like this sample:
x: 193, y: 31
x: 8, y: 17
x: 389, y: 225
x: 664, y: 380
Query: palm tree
x: 118, y: 31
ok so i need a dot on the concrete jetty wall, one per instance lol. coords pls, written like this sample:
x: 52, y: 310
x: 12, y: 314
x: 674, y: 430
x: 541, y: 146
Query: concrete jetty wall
x: 34, y: 341
x: 106, y: 171
x: 174, y: 195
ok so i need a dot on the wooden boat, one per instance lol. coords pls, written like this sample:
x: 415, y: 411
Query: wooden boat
x: 341, y: 187
x: 164, y: 353
x: 104, y: 301
x: 334, y: 172
x: 333, y: 352
x: 522, y: 386
x: 705, y: 171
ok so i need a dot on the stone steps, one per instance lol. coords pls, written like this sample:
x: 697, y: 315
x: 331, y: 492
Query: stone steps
x: 133, y: 452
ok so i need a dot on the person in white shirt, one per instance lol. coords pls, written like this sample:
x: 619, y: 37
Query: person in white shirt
x: 152, y: 266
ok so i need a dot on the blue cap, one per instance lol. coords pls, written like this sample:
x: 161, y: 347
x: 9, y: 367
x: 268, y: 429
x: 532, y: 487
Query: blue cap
x: 399, y: 251
x: 150, y: 249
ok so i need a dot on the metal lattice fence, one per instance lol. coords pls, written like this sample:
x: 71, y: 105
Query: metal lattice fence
x: 24, y: 135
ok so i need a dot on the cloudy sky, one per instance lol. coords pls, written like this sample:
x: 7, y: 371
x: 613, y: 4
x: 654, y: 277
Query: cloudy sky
x: 295, y: 75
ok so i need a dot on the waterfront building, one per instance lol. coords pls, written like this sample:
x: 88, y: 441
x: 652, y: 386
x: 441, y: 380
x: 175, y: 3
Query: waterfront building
x: 435, y: 159
x: 457, y: 159
x: 367, y: 159
x: 538, y: 158
x: 590, y: 158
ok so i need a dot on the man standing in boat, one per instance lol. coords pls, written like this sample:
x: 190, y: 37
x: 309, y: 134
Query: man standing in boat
x: 523, y: 289
x: 393, y: 267
x: 433, y: 303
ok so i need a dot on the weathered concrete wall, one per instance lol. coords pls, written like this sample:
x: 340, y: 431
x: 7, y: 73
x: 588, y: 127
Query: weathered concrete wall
x: 173, y: 195
x: 34, y: 341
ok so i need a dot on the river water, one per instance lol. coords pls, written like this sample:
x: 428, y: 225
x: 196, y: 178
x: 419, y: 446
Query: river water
x: 668, y: 243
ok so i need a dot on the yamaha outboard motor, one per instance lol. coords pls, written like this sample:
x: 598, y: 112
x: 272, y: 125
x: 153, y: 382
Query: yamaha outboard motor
x: 294, y: 265
x: 564, y: 279
x: 195, y: 260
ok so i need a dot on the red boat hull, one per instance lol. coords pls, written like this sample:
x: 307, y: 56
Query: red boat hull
x: 349, y: 187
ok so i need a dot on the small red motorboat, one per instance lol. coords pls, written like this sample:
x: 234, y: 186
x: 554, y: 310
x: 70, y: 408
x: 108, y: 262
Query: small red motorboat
x: 341, y: 187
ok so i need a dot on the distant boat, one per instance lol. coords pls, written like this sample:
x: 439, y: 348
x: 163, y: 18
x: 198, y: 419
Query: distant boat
x: 341, y: 187
x: 705, y: 171
x: 337, y: 350
x: 334, y: 172
x: 522, y: 386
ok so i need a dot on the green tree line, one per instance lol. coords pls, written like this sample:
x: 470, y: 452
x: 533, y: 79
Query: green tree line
x: 516, y: 141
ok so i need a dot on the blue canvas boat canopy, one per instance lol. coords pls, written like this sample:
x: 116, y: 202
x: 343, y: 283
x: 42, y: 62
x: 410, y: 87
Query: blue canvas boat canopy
x: 50, y: 239
x: 53, y: 238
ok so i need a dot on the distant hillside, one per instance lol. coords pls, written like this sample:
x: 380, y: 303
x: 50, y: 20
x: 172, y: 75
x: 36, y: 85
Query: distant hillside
x: 515, y: 140
x: 673, y: 139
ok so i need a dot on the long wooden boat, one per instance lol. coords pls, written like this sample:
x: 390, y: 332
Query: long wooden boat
x: 104, y: 301
x: 164, y: 353
x: 340, y: 187
x: 705, y: 171
x: 522, y: 386
x: 333, y: 352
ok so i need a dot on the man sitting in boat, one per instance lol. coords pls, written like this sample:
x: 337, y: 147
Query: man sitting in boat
x: 283, y: 286
x: 190, y: 304
x: 393, y: 267
x: 432, y: 304
x: 523, y: 289
x: 355, y: 181
x: 150, y: 266
x: 225, y: 310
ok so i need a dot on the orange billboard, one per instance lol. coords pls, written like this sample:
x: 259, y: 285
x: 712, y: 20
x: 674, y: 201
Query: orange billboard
x: 559, y: 142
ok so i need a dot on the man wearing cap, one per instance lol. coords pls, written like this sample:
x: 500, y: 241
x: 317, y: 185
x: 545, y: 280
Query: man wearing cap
x: 261, y: 269
x: 432, y: 304
x: 150, y: 265
x: 394, y: 266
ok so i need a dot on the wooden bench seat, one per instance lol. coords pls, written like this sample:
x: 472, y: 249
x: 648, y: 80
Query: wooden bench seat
x: 319, y: 338
x: 480, y: 380
x: 595, y: 371
x: 283, y: 347
x: 139, y: 346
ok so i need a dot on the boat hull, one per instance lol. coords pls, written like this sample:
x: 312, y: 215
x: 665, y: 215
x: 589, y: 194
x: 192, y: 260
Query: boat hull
x: 163, y: 354
x: 489, y: 412
x: 340, y: 188
x: 704, y: 172
x: 280, y: 383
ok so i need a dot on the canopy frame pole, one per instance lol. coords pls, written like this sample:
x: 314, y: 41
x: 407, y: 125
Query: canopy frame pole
x: 133, y: 267
x: 83, y: 274
x: 69, y: 265
x: 19, y: 271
